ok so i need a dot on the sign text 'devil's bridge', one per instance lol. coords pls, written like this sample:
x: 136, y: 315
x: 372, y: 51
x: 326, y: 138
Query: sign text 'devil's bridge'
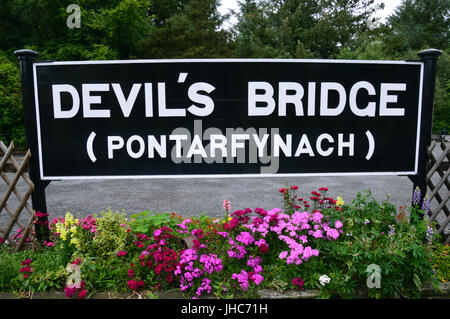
x: 200, y: 118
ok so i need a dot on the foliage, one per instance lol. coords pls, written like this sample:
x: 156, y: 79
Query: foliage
x: 111, y: 236
x: 109, y: 29
x: 147, y: 221
x: 192, y: 32
x: 289, y: 29
x: 421, y: 23
x: 376, y: 233
x: 11, y: 112
x: 47, y: 270
x: 441, y: 262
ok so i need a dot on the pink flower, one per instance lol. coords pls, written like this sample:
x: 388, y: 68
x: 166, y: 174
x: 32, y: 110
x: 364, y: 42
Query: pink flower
x: 48, y: 243
x: 332, y: 233
x: 338, y: 224
x: 283, y: 255
x: 257, y: 279
x: 317, y: 234
x: 317, y: 217
x: 226, y: 205
x: 242, y: 278
x: 121, y: 253
x: 157, y: 232
x: 245, y: 238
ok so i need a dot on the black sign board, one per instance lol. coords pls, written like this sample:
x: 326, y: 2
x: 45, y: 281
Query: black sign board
x: 233, y: 117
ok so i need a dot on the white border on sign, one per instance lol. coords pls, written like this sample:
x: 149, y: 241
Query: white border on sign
x: 55, y: 63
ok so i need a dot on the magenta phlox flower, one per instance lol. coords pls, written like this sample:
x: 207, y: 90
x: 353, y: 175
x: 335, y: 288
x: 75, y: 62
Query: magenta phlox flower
x: 309, y: 252
x: 242, y: 278
x: 257, y: 279
x: 317, y: 217
x: 223, y: 234
x: 188, y: 255
x: 283, y: 254
x: 184, y: 226
x: 317, y: 234
x: 252, y: 262
x: 205, y: 286
x: 211, y: 263
x: 332, y: 233
x: 157, y: 233
x: 245, y: 238
x: 300, y: 218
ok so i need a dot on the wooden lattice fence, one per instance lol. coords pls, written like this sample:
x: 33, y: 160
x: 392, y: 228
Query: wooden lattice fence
x: 439, y: 185
x: 9, y: 233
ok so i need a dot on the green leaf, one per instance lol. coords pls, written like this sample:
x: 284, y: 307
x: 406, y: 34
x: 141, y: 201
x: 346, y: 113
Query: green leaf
x: 417, y: 281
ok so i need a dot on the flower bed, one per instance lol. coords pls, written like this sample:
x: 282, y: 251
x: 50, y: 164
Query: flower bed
x: 315, y: 243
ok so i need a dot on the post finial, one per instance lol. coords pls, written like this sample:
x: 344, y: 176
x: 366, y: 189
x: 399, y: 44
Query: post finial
x: 25, y: 54
x: 429, y: 54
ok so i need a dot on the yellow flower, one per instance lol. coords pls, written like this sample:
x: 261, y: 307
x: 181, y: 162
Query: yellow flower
x: 339, y: 201
x: 75, y: 242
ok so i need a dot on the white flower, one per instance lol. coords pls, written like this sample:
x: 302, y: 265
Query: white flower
x: 324, y: 279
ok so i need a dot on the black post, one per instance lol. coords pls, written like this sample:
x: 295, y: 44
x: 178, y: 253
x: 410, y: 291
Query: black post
x: 26, y: 59
x: 429, y: 58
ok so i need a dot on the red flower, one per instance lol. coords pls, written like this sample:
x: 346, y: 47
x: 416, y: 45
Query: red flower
x: 263, y: 248
x: 82, y: 294
x: 283, y: 190
x: 134, y: 284
x: 26, y: 262
x: 294, y: 187
x: 298, y: 282
x: 40, y: 214
x: 77, y: 261
x: 323, y: 189
x: 26, y: 269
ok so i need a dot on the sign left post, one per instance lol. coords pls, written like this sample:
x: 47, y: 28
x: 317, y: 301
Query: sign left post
x: 26, y: 60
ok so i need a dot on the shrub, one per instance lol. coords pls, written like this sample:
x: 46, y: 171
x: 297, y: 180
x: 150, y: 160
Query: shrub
x: 335, y: 247
x: 441, y: 262
x: 11, y: 111
x: 376, y: 234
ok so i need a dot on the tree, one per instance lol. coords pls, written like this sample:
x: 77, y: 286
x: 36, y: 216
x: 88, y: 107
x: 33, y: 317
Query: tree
x: 11, y: 113
x: 418, y: 24
x: 301, y: 28
x: 109, y: 28
x: 194, y: 32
